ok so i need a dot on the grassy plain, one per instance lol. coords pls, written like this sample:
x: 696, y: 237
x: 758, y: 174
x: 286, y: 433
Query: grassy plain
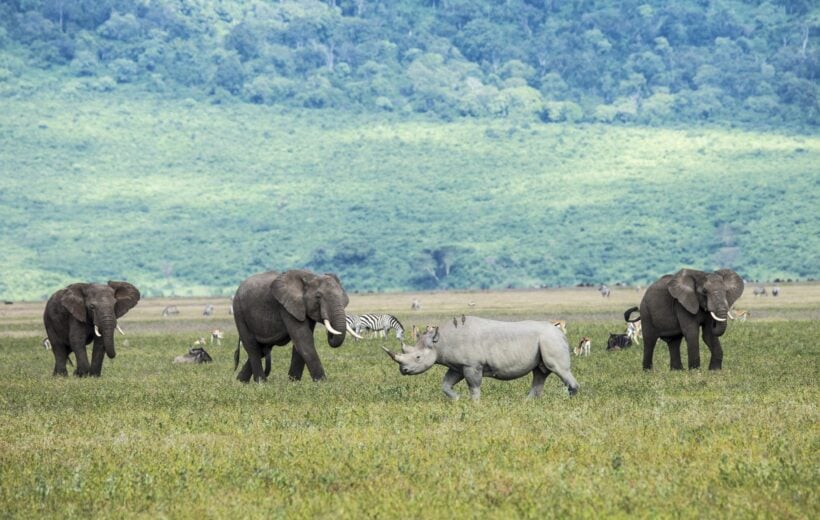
x: 150, y: 439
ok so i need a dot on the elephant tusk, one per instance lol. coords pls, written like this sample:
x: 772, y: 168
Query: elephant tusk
x: 352, y: 333
x: 330, y: 328
x: 392, y: 355
x: 97, y: 331
x: 730, y: 315
x: 715, y: 317
x: 119, y: 329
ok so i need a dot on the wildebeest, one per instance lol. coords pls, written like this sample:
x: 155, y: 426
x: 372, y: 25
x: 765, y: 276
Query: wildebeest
x: 775, y: 290
x: 208, y: 310
x: 604, y: 290
x: 759, y: 291
x: 194, y: 355
x: 498, y: 349
x: 618, y: 341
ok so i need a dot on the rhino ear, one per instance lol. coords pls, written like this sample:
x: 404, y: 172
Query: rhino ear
x: 436, y: 336
x: 734, y: 285
x: 73, y: 299
x: 682, y: 288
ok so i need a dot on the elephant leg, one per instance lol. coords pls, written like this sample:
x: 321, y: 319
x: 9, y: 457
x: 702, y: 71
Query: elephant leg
x: 713, y: 342
x: 97, y: 356
x: 538, y: 379
x: 60, y: 357
x: 451, y: 377
x: 693, y: 350
x: 83, y: 367
x: 245, y: 373
x: 297, y: 365
x: 649, y: 342
x: 254, y: 350
x: 311, y: 359
x: 675, y: 362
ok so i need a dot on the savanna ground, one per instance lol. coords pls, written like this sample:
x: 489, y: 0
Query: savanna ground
x: 152, y: 439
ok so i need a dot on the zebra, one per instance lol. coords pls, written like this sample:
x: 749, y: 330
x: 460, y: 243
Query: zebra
x: 380, y: 323
x: 354, y: 323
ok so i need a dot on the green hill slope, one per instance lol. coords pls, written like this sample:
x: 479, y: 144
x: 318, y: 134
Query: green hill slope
x: 187, y: 198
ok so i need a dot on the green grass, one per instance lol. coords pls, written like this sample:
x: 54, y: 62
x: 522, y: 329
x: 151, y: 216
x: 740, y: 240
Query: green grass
x: 185, y: 198
x: 151, y: 439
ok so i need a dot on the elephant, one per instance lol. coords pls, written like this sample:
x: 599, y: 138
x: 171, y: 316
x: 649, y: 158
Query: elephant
x: 272, y: 309
x: 84, y: 312
x: 678, y: 306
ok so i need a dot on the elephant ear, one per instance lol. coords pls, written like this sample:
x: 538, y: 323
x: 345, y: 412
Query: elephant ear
x: 289, y: 290
x: 127, y: 296
x: 73, y: 299
x: 682, y: 288
x: 734, y: 285
x: 345, y: 299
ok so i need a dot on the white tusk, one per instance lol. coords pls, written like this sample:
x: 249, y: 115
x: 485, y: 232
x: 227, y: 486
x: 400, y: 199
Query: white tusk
x: 350, y: 331
x: 97, y: 331
x: 119, y: 329
x: 730, y: 315
x: 715, y: 317
x: 330, y: 328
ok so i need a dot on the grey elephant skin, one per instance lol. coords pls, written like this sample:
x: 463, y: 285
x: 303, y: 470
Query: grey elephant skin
x: 478, y: 347
x: 684, y: 305
x: 85, y: 312
x: 272, y: 309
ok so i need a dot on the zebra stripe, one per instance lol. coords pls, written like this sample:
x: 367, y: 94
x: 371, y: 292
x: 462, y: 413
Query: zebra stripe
x: 354, y: 322
x: 381, y: 323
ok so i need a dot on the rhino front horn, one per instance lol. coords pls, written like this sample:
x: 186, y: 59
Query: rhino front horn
x: 392, y: 355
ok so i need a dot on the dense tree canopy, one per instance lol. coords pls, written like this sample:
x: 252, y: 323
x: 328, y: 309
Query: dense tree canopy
x: 645, y: 61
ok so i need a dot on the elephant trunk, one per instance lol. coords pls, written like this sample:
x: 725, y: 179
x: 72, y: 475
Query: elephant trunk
x: 718, y: 327
x: 107, y: 326
x: 339, y: 323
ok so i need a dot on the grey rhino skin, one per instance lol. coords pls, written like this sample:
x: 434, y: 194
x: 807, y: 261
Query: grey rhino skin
x: 480, y: 347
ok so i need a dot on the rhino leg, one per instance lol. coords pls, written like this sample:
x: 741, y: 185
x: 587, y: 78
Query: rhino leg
x: 538, y: 378
x: 451, y: 378
x: 473, y: 377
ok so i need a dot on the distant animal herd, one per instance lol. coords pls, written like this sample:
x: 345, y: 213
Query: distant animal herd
x: 275, y: 309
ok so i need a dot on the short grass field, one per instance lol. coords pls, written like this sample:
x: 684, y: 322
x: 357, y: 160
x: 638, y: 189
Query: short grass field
x: 150, y: 439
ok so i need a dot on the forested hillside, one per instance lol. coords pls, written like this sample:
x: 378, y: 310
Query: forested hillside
x: 646, y: 61
x: 184, y: 145
x: 187, y: 198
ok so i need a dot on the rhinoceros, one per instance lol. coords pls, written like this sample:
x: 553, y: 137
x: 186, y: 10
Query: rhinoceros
x: 480, y: 347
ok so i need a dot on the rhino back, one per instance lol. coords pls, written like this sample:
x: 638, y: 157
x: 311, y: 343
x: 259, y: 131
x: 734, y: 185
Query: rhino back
x: 506, y: 347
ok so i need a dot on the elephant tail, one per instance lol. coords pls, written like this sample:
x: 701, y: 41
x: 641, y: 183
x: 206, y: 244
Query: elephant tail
x: 236, y: 355
x: 628, y: 312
